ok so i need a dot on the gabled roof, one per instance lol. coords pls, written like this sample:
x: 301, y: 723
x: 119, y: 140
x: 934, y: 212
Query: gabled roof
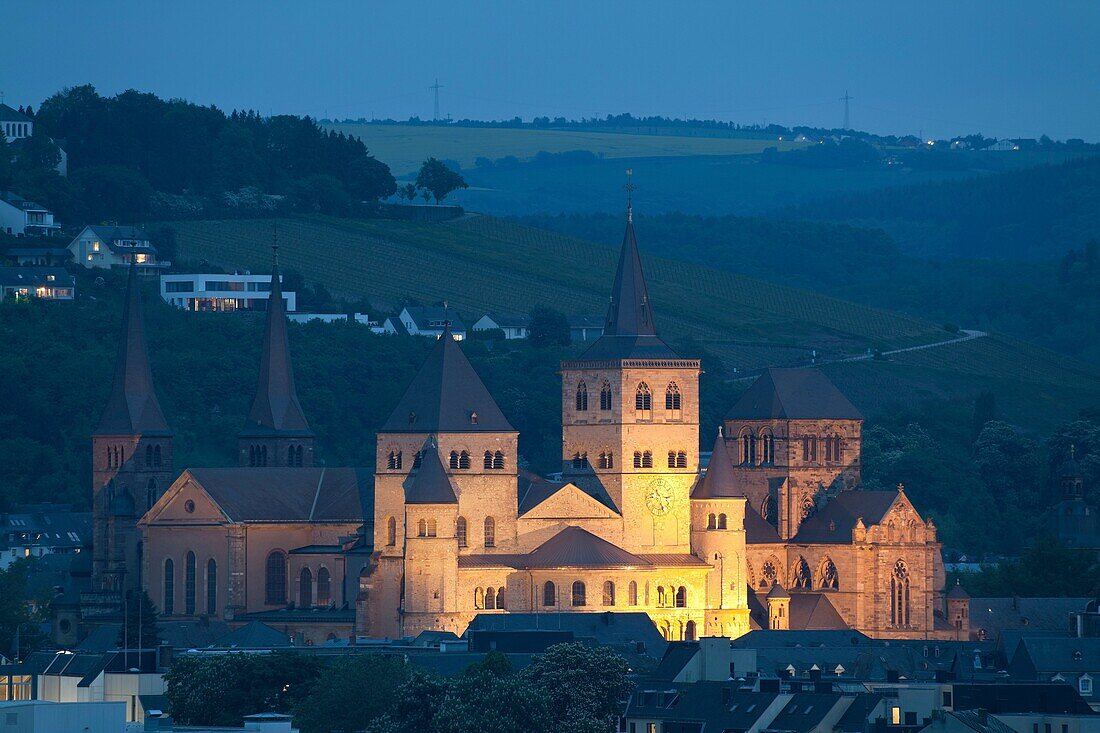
x: 534, y: 490
x: 630, y: 331
x: 758, y: 531
x: 424, y: 315
x: 812, y: 611
x: 14, y: 199
x: 793, y: 394
x: 574, y: 547
x: 110, y: 234
x: 719, y: 482
x: 275, y: 408
x: 253, y: 635
x: 32, y: 277
x: 445, y: 395
x: 132, y: 408
x: 835, y: 521
x: 509, y: 320
x: 804, y: 711
x: 9, y: 114
x: 342, y: 495
x: 430, y: 484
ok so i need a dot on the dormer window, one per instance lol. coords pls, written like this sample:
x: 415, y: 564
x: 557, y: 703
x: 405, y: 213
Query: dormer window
x: 473, y: 418
x: 412, y: 417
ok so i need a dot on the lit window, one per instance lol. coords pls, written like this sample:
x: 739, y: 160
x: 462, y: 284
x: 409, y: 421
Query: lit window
x: 895, y: 716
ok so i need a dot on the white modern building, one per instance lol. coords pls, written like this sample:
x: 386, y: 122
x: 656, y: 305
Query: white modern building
x: 21, y: 217
x: 221, y: 292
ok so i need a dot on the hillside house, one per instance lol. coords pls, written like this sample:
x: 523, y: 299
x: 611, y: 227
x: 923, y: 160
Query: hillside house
x: 514, y: 325
x: 585, y: 328
x: 221, y: 292
x: 36, y: 530
x: 426, y: 321
x: 44, y: 283
x: 39, y: 256
x: 1002, y: 146
x: 22, y: 217
x: 104, y: 247
x: 15, y: 124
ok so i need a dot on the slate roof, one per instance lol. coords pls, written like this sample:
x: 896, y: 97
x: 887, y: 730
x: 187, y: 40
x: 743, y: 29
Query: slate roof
x: 430, y: 484
x: 834, y: 522
x: 624, y: 630
x: 804, y: 711
x: 132, y: 408
x: 9, y: 114
x: 574, y: 547
x: 999, y: 615
x: 711, y: 705
x: 793, y: 394
x: 253, y: 635
x: 32, y: 277
x: 510, y: 320
x: 11, y: 197
x: 1049, y: 655
x: 110, y: 234
x: 957, y: 591
x: 758, y: 531
x: 341, y: 495
x: 630, y: 331
x: 719, y: 481
x: 854, y: 719
x: 676, y: 657
x: 812, y: 611
x: 534, y: 490
x: 275, y: 409
x: 981, y: 721
x: 424, y: 316
x: 443, y: 396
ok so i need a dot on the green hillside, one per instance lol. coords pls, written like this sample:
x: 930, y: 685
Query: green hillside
x: 404, y: 147
x: 480, y: 263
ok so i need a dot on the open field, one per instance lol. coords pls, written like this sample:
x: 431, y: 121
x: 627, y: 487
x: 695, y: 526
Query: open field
x: 404, y: 147
x: 480, y: 263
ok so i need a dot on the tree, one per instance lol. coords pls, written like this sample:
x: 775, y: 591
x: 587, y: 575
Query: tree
x: 325, y: 708
x: 140, y: 628
x: 417, y: 705
x: 113, y: 192
x: 320, y: 193
x: 436, y: 178
x: 483, y: 702
x: 19, y: 614
x: 407, y: 192
x: 985, y: 409
x: 5, y: 163
x: 585, y: 685
x: 549, y: 327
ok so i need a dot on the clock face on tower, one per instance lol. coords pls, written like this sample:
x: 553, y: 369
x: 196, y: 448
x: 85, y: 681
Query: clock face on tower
x: 659, y: 498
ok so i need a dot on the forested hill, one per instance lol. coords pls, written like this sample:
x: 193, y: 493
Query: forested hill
x: 1030, y: 214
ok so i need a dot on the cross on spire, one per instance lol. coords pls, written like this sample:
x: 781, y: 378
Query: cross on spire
x: 629, y: 188
x: 275, y: 242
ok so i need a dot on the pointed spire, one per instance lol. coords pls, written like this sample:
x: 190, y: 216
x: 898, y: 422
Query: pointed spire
x: 430, y: 484
x: 630, y: 312
x: 720, y: 480
x: 132, y: 408
x: 275, y: 409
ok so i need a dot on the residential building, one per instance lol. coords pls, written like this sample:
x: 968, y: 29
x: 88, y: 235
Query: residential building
x: 1073, y: 660
x: 426, y: 321
x: 118, y: 676
x: 104, y: 247
x: 14, y: 124
x: 514, y: 325
x: 1003, y: 145
x: 21, y: 217
x: 221, y: 292
x: 585, y: 327
x: 36, y: 530
x: 40, y: 716
x: 43, y: 283
x: 40, y: 256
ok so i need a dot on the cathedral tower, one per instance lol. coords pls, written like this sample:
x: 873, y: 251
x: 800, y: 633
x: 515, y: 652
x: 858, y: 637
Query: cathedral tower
x: 276, y: 432
x: 630, y: 416
x: 131, y: 456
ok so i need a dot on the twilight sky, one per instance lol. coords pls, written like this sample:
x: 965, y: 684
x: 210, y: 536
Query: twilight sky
x: 1004, y: 67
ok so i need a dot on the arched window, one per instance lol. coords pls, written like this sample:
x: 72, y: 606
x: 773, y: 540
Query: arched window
x: 802, y: 577
x: 490, y: 597
x: 712, y: 521
x: 422, y: 528
x: 681, y: 460
x: 498, y: 460
x: 549, y: 594
x: 672, y: 399
x: 662, y: 600
x: 275, y: 579
x: 637, y: 459
x: 431, y: 528
x: 391, y: 531
x: 768, y: 575
x: 632, y: 593
x: 828, y: 578
x: 156, y: 455
x: 689, y: 631
x: 460, y: 531
x: 643, y: 402
x: 767, y: 448
x: 582, y: 397
x: 490, y: 532
x: 606, y: 460
x: 647, y: 459
x: 464, y: 459
x: 211, y: 587
x: 681, y: 597
x: 454, y: 459
x: 672, y: 459
x: 151, y: 492
x: 479, y: 598
x: 500, y: 598
x: 488, y: 461
x: 809, y: 448
x: 305, y: 588
x: 263, y: 455
x: 580, y: 460
x: 393, y: 461
x: 578, y: 594
x: 608, y: 593
x: 899, y: 595
x: 324, y: 587
x: 169, y: 604
x: 251, y: 456
x: 148, y: 455
x: 748, y: 449
x: 605, y: 397
x: 189, y: 582
x: 417, y: 458
x: 721, y: 521
x: 808, y: 508
x: 832, y: 448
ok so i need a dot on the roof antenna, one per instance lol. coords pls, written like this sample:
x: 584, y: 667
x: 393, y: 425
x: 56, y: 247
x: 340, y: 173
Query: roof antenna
x: 629, y: 188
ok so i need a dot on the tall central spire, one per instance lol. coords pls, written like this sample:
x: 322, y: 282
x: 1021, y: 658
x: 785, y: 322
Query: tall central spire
x: 132, y: 408
x: 629, y: 312
x: 275, y: 409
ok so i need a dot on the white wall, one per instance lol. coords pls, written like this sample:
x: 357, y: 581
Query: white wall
x: 45, y: 717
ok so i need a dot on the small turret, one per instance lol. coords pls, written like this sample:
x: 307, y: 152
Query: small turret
x: 779, y: 608
x: 1071, y: 478
x: 958, y: 611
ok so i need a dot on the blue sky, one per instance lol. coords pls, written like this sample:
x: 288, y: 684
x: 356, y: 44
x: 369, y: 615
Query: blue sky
x: 1005, y: 68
